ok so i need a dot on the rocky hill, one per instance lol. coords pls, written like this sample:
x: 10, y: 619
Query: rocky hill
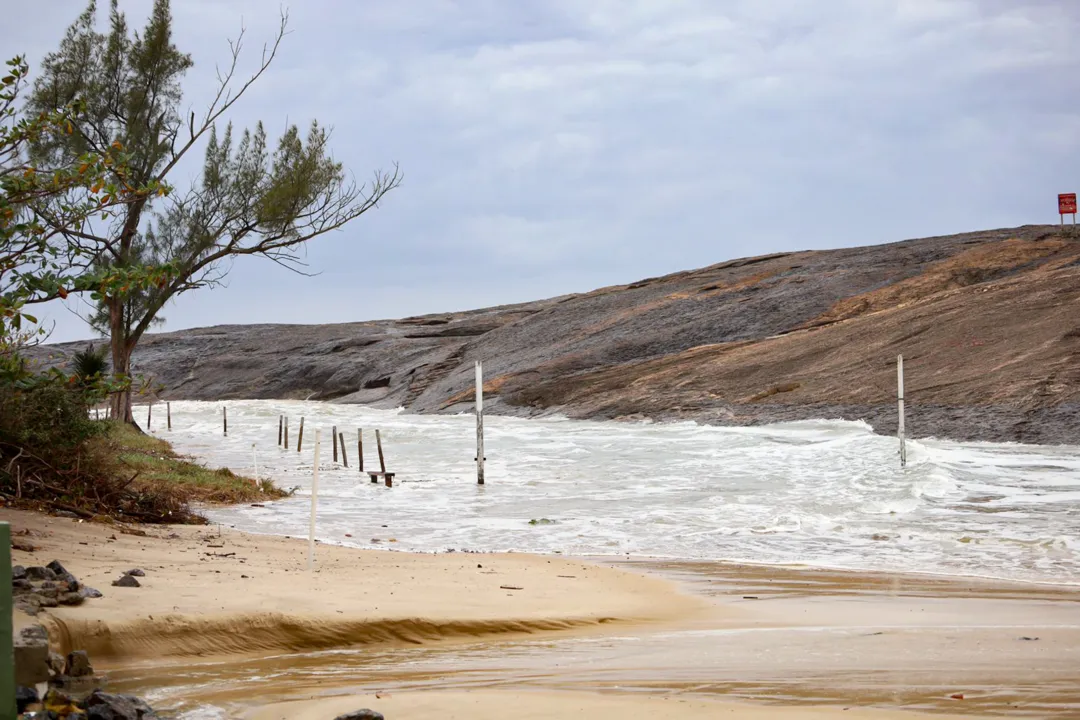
x: 988, y: 322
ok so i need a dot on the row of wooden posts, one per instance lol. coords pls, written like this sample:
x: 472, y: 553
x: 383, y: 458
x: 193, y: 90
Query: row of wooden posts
x: 338, y: 439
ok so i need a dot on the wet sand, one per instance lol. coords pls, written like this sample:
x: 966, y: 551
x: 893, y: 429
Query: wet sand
x: 581, y: 639
x: 209, y: 592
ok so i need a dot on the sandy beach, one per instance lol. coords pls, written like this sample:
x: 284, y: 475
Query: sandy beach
x: 239, y: 622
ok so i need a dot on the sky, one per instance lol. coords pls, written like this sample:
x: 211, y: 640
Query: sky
x: 557, y: 146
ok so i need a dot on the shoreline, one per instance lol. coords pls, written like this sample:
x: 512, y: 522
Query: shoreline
x: 701, y: 637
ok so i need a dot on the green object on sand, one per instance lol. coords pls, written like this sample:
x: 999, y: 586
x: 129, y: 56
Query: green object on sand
x: 7, y: 633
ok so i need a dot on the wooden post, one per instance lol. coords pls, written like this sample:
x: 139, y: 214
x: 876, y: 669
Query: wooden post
x: 300, y: 434
x: 149, y: 410
x: 286, y: 432
x: 7, y: 630
x: 314, y: 503
x: 479, y: 423
x: 333, y: 434
x: 378, y: 443
x: 225, y: 419
x: 360, y: 449
x: 280, y: 427
x: 900, y: 407
x: 168, y: 415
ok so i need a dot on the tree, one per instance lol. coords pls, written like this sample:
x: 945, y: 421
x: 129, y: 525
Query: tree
x: 36, y: 264
x: 247, y: 201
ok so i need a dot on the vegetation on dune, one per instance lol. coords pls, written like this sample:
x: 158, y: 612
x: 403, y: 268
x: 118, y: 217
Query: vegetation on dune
x: 86, y: 208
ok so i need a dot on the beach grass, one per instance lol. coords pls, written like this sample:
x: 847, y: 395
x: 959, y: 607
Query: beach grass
x: 157, y: 466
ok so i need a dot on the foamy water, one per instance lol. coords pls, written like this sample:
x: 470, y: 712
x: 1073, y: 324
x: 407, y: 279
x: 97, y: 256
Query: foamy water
x: 825, y: 493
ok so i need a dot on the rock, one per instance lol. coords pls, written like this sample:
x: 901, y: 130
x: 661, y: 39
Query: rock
x: 78, y: 664
x: 24, y: 545
x: 66, y: 514
x: 364, y: 714
x: 22, y: 585
x: 39, y: 574
x: 136, y: 572
x: 47, y: 589
x: 31, y: 656
x: 56, y: 663
x: 89, y: 592
x: 106, y: 706
x: 46, y: 601
x: 25, y: 696
x: 18, y: 572
x: 29, y: 604
x: 71, y: 598
x: 126, y: 581
x: 57, y: 568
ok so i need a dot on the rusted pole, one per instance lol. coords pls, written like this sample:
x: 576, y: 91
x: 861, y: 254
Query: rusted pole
x: 286, y: 432
x: 225, y: 419
x: 149, y: 410
x: 168, y: 415
x: 344, y: 460
x: 280, y: 424
x: 300, y: 434
x: 333, y: 434
x: 360, y: 448
x: 378, y: 444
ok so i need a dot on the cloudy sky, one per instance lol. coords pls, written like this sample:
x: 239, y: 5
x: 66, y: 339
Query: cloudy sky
x: 554, y: 146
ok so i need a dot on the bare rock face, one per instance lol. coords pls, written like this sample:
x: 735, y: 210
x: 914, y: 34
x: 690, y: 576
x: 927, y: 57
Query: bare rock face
x: 987, y: 322
x: 31, y: 656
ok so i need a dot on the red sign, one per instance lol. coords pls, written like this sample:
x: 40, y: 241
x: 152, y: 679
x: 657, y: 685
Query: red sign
x: 1067, y: 204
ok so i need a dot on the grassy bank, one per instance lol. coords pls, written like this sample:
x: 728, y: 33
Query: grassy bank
x: 117, y: 473
x: 160, y: 468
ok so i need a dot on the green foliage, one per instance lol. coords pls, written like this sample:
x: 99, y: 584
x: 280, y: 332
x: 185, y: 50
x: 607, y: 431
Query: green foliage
x: 248, y: 200
x: 49, y: 419
x: 89, y: 365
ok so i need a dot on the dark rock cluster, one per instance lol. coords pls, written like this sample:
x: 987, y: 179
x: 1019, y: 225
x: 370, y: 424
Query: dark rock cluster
x: 47, y: 586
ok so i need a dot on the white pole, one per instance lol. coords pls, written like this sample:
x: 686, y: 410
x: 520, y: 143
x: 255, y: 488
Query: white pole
x: 479, y: 423
x: 255, y: 462
x: 900, y: 407
x: 314, y: 500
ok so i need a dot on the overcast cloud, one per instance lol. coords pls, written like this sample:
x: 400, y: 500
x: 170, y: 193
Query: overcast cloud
x: 554, y: 146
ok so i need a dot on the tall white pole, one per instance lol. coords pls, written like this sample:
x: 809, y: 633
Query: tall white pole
x: 900, y: 407
x: 314, y: 502
x: 479, y: 423
x: 255, y: 461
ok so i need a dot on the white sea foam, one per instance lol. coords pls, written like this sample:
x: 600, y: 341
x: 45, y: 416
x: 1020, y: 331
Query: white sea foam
x: 824, y: 492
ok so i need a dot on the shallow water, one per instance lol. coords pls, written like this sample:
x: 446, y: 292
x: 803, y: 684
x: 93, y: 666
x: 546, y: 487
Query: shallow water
x: 827, y: 493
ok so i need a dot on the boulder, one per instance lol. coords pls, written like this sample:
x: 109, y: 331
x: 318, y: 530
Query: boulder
x: 89, y: 592
x: 29, y: 604
x: 56, y: 663
x: 78, y: 664
x: 31, y: 656
x: 136, y: 572
x: 21, y: 585
x: 63, y: 575
x: 71, y: 598
x: 126, y: 581
x: 18, y: 572
x: 60, y: 703
x: 364, y: 714
x: 106, y: 706
x: 38, y: 573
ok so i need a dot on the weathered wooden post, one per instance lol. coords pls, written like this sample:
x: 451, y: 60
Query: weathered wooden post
x: 280, y: 427
x: 333, y: 436
x: 168, y: 415
x: 900, y: 404
x: 149, y: 409
x: 7, y: 630
x: 360, y: 448
x: 479, y: 423
x: 225, y: 419
x: 286, y: 432
x: 344, y: 460
x: 314, y: 502
x: 300, y: 434
x: 382, y: 461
